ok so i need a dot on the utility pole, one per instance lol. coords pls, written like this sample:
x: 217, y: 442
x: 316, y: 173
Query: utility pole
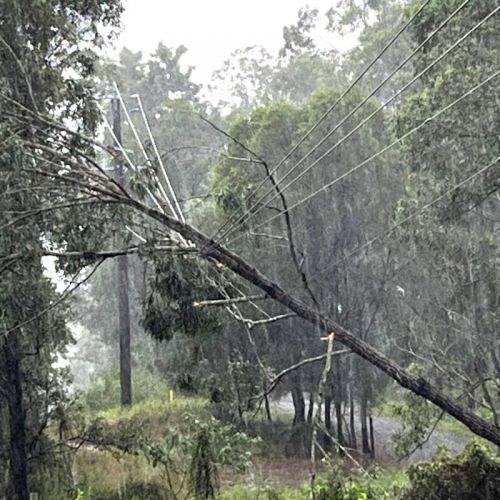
x: 122, y: 281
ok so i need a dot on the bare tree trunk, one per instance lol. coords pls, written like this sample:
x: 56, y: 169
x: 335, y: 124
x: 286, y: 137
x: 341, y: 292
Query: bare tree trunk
x: 338, y: 396
x: 363, y: 416
x: 17, y: 420
x: 124, y: 327
x: 310, y: 409
x: 339, y: 418
x: 267, y: 406
x: 352, y: 419
x: 299, y: 405
x: 372, y: 438
x: 327, y: 443
x: 297, y: 444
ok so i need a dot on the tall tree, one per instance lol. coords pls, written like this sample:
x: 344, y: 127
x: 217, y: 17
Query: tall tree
x: 39, y: 44
x: 453, y: 295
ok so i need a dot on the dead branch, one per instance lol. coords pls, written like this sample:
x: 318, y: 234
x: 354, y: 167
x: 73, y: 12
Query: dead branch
x: 224, y: 302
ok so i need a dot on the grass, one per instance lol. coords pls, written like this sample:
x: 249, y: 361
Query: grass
x: 157, y: 416
x: 102, y: 470
x: 261, y: 492
x: 386, y: 479
x: 177, y: 407
x: 385, y: 482
x: 107, y: 474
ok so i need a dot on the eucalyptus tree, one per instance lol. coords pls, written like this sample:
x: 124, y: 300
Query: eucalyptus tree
x: 374, y: 23
x: 175, y: 113
x: 47, y: 57
x: 318, y: 232
x: 451, y: 298
x: 296, y: 276
x: 254, y: 77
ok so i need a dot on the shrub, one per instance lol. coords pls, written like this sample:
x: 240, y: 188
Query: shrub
x: 474, y: 475
x: 375, y: 484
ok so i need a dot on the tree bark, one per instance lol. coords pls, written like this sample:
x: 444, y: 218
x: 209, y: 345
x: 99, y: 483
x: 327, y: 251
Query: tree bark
x: 372, y: 438
x: 338, y: 398
x: 327, y: 442
x: 124, y: 328
x: 17, y: 421
x: 363, y: 416
x: 299, y: 406
x: 210, y: 249
x: 267, y: 406
x: 338, y: 417
x: 310, y: 409
x: 298, y: 443
x: 352, y: 419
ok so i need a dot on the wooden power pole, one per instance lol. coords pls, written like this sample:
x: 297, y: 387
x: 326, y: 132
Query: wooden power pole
x: 122, y: 282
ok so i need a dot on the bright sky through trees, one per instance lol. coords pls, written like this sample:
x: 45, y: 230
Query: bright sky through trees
x: 211, y: 30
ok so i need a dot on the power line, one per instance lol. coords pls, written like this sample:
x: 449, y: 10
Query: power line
x: 160, y: 161
x: 376, y: 155
x: 143, y: 150
x: 384, y: 234
x: 412, y: 54
x: 333, y: 106
x: 260, y: 205
x: 127, y: 157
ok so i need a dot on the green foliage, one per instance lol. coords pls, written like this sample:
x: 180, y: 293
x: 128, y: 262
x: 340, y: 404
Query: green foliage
x: 165, y: 448
x: 262, y: 492
x: 48, y: 52
x: 474, y: 475
x: 232, y: 389
x: 203, y: 474
x: 178, y: 283
x: 336, y: 485
x: 193, y: 437
x: 374, y: 485
x: 132, y: 489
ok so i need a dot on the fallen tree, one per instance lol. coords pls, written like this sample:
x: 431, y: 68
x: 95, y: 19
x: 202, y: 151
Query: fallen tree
x: 209, y: 249
x: 89, y: 178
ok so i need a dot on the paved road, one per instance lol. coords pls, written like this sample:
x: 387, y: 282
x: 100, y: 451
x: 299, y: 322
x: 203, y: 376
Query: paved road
x: 385, y: 427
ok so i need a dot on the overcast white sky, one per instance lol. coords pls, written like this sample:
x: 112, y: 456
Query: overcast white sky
x: 211, y: 29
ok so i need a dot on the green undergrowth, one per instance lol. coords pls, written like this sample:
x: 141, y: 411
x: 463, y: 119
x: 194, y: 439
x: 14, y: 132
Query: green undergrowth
x: 335, y: 485
x: 108, y: 473
x: 157, y: 449
x: 156, y: 417
x: 472, y: 475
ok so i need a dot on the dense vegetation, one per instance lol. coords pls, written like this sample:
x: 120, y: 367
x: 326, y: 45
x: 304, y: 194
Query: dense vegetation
x: 140, y: 359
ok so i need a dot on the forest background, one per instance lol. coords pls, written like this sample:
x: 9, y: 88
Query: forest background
x: 365, y: 183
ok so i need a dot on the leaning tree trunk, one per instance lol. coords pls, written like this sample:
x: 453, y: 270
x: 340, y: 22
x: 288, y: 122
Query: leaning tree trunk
x: 211, y: 250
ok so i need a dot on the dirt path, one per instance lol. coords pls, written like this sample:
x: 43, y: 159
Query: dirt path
x: 385, y: 427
